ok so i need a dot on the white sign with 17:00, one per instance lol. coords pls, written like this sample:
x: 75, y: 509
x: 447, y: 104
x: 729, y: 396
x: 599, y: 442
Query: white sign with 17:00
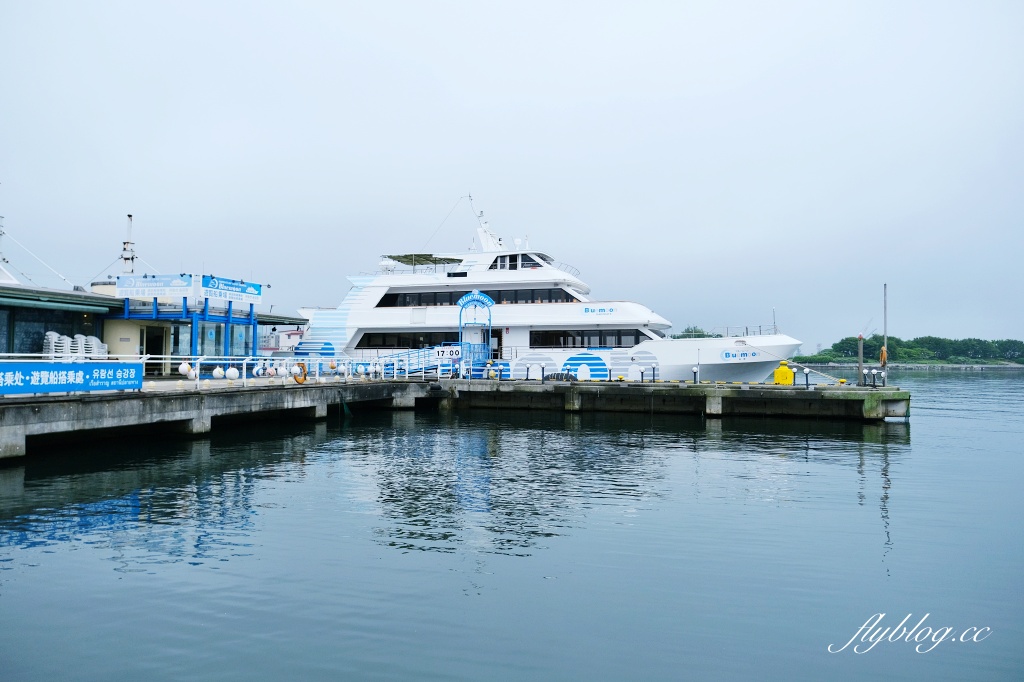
x: 451, y: 353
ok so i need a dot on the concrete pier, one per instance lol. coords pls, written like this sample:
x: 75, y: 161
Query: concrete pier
x: 187, y: 410
x: 192, y: 411
x: 709, y: 400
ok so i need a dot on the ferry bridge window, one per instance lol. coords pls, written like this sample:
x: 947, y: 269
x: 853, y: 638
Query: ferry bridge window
x: 526, y: 261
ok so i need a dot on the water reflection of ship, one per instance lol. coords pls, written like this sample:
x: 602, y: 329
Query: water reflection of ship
x: 498, y: 487
x: 500, y: 483
x: 110, y: 488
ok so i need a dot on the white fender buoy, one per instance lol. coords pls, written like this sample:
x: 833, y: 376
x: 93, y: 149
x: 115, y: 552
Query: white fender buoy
x: 184, y: 368
x: 231, y: 373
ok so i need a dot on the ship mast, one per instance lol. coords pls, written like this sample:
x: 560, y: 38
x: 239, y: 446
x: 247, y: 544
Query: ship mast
x: 128, y: 250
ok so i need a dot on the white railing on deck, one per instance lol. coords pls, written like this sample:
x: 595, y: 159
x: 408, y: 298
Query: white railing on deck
x: 732, y: 330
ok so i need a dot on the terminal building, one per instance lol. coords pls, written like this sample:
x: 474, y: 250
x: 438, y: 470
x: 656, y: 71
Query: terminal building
x: 135, y: 315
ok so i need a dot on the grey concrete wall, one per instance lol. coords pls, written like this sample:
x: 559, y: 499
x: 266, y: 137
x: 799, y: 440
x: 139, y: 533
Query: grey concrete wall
x: 193, y: 411
x: 711, y: 400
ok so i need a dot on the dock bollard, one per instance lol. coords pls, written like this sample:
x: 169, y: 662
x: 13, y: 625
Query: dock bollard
x: 542, y: 372
x: 807, y: 377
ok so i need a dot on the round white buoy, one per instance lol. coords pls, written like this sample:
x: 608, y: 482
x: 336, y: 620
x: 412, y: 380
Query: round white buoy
x: 271, y: 372
x: 296, y: 371
x: 231, y: 373
x: 192, y: 375
x: 184, y: 368
x: 362, y: 369
x: 218, y: 372
x: 258, y: 372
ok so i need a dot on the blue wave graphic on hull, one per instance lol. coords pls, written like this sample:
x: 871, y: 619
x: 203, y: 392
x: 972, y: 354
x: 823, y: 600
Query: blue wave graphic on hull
x: 596, y: 365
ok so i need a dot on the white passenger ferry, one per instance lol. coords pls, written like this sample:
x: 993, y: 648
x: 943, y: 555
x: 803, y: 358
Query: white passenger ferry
x: 513, y: 312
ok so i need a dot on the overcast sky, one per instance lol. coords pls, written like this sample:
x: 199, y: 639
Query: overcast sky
x: 713, y: 160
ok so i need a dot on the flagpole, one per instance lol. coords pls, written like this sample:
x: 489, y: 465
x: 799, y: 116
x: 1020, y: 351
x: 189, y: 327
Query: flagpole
x: 885, y: 323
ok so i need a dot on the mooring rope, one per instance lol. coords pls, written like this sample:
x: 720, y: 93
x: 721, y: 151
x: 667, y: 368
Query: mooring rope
x: 797, y: 364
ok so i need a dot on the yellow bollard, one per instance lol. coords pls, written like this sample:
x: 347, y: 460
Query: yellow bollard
x: 783, y: 376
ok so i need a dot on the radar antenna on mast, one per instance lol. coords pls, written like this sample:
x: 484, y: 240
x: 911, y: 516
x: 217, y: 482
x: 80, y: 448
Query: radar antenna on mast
x: 128, y: 250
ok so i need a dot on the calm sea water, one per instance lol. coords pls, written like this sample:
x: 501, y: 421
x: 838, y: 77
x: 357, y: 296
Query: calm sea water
x: 403, y: 546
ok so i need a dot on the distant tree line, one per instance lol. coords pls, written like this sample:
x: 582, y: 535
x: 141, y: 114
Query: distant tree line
x: 923, y: 349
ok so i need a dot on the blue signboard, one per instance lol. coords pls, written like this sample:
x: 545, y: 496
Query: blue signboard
x: 476, y: 298
x: 231, y: 290
x: 18, y: 378
x: 153, y: 286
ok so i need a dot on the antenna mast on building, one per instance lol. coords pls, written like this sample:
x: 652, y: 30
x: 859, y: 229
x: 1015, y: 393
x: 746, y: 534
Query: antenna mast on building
x: 128, y: 251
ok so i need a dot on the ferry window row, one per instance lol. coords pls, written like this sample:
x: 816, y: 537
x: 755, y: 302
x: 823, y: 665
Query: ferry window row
x: 431, y: 298
x: 587, y: 338
x: 414, y: 340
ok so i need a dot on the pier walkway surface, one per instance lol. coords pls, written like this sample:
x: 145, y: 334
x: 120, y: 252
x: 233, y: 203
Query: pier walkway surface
x: 184, y: 407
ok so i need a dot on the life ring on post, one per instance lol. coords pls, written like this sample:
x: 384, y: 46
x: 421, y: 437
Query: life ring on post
x: 301, y: 377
